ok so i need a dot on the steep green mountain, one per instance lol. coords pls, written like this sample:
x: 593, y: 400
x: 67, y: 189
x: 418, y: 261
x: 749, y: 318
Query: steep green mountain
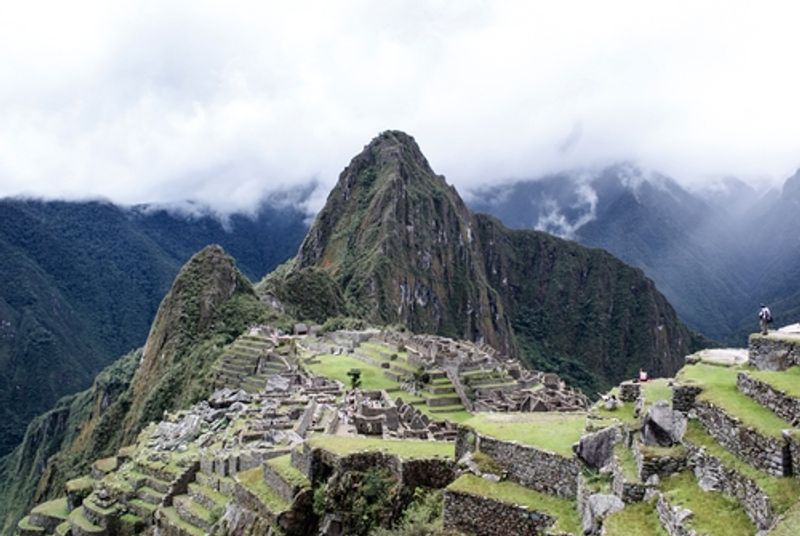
x: 209, y: 304
x: 403, y: 248
x: 80, y: 283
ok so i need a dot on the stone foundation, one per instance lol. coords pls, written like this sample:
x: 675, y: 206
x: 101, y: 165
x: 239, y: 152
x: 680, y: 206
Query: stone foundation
x: 773, y: 353
x: 663, y: 466
x: 629, y: 391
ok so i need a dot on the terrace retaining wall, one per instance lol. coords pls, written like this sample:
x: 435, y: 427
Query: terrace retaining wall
x: 770, y: 454
x: 533, y: 468
x: 712, y: 474
x: 781, y: 404
x: 481, y: 516
x: 773, y: 354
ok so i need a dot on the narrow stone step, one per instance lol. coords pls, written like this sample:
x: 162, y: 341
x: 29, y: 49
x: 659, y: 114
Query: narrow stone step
x: 141, y: 508
x: 284, y: 478
x: 81, y: 526
x: 171, y: 523
x: 252, y: 491
x: 98, y: 515
x: 139, y: 480
x: 148, y: 494
x: 193, y: 513
x: 207, y: 497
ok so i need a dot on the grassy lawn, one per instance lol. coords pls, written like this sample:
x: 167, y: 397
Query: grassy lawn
x: 787, y: 380
x: 551, y: 431
x: 719, y: 388
x: 624, y: 413
x: 56, y: 508
x: 714, y: 513
x: 783, y: 492
x: 640, y: 519
x: 507, y: 492
x: 283, y: 466
x: 336, y: 367
x: 403, y: 448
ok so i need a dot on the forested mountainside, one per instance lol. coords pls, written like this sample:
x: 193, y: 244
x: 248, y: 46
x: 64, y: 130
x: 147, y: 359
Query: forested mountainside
x: 714, y: 253
x: 80, y: 283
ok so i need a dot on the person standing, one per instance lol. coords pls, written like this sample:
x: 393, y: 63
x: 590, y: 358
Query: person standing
x: 764, y: 319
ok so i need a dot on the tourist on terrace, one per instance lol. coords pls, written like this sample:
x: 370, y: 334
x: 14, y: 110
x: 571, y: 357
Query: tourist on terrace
x: 764, y: 319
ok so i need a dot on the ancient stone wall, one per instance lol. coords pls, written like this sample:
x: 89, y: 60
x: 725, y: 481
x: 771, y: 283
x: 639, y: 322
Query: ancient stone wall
x: 533, y: 468
x: 683, y: 397
x: 778, y: 402
x: 481, y: 516
x: 774, y: 353
x: 769, y: 454
x: 661, y: 465
x: 629, y: 391
x: 434, y: 474
x: 712, y: 474
x: 629, y: 492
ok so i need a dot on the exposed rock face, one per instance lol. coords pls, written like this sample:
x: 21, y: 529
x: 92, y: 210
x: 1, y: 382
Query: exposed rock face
x: 662, y: 426
x: 405, y: 249
x: 596, y: 449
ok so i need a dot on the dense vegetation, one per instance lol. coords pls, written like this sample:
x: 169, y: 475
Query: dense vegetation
x: 81, y: 282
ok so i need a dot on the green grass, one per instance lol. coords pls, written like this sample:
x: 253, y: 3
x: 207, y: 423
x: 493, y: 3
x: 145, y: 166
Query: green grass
x: 407, y: 448
x: 25, y: 524
x: 783, y: 492
x: 83, y: 483
x: 551, y: 431
x: 176, y: 520
x: 655, y: 390
x: 714, y: 513
x: 283, y: 466
x: 76, y: 517
x: 787, y: 380
x: 253, y: 481
x: 719, y: 388
x: 626, y: 462
x: 335, y: 367
x: 639, y: 519
x: 624, y: 413
x: 790, y: 524
x: 56, y: 508
x: 510, y: 493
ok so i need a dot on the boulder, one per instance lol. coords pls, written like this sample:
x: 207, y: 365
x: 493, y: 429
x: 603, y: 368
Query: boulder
x: 662, y: 426
x: 596, y: 449
x: 598, y: 506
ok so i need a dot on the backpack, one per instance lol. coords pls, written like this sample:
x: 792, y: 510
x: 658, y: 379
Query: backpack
x: 766, y: 315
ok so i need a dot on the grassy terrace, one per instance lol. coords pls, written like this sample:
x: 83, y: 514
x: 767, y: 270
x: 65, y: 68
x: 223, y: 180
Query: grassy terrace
x: 783, y: 492
x: 510, y: 493
x: 640, y: 519
x: 406, y: 448
x: 56, y: 508
x: 253, y: 481
x: 551, y: 431
x: 624, y: 413
x: 787, y: 380
x: 714, y: 513
x: 283, y: 466
x: 655, y: 390
x: 719, y: 388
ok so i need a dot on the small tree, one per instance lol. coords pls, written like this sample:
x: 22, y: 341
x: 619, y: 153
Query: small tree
x: 355, y: 378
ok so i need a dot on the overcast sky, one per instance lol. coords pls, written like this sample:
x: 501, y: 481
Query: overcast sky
x: 224, y: 101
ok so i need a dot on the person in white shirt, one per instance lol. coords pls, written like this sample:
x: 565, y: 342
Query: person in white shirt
x: 764, y: 319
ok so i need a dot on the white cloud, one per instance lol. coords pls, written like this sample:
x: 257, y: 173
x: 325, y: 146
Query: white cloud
x: 223, y: 101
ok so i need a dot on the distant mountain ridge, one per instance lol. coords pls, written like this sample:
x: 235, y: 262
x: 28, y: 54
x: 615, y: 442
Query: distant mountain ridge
x: 80, y: 283
x: 715, y: 253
